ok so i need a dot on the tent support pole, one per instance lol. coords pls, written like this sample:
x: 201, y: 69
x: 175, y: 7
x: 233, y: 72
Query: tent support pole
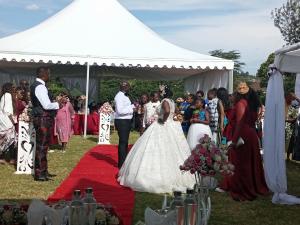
x: 230, y: 82
x: 87, y: 97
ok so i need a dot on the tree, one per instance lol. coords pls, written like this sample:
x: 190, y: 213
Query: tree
x: 287, y: 20
x: 262, y: 72
x: 231, y: 55
x: 110, y: 86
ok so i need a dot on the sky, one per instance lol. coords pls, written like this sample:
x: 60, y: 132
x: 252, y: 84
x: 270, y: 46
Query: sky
x: 198, y: 25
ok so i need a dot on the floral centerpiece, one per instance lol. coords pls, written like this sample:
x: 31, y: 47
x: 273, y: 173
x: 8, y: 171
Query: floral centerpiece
x: 205, y: 161
x: 106, y: 108
x: 26, y: 114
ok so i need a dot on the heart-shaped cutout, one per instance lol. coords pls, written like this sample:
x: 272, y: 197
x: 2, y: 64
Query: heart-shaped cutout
x: 27, y: 146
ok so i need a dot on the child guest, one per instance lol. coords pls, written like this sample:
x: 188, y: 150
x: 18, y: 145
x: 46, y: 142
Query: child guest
x: 199, y: 124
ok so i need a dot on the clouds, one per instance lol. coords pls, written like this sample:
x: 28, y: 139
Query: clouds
x: 32, y: 7
x: 253, y: 34
x: 205, y: 25
x: 199, y: 25
x: 179, y: 5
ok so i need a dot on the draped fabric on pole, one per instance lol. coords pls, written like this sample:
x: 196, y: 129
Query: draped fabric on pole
x: 297, y: 85
x: 274, y: 141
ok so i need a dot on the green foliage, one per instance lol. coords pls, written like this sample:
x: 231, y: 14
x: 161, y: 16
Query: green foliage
x: 56, y: 86
x: 287, y: 20
x: 109, y: 88
x: 288, y: 79
x: 262, y: 72
x: 231, y: 55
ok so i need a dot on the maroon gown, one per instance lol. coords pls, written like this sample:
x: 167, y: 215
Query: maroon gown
x: 248, y: 180
x: 228, y: 130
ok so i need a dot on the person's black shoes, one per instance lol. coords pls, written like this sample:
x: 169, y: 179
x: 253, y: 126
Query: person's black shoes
x: 41, y: 179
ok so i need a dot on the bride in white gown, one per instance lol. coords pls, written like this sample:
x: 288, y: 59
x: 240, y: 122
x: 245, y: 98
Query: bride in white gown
x: 152, y: 164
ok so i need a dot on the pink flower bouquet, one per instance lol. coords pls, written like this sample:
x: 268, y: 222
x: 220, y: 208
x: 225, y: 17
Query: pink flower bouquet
x: 207, y: 160
x: 106, y: 109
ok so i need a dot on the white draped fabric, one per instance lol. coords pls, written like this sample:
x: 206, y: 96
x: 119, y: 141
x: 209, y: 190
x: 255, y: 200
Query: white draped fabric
x: 297, y: 85
x: 274, y: 141
x: 207, y: 81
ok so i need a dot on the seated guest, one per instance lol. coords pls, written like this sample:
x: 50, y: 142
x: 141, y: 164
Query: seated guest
x: 150, y: 110
x: 199, y: 124
x: 93, y: 120
x: 187, y: 108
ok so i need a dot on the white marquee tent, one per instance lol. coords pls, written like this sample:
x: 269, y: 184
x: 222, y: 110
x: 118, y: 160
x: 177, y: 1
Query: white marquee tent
x: 286, y: 60
x: 101, y: 38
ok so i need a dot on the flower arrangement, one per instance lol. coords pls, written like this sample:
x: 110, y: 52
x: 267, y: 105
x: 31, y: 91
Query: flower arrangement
x: 13, y: 214
x: 208, y: 160
x: 106, y: 108
x: 26, y: 114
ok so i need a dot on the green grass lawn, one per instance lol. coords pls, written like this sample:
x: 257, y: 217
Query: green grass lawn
x: 225, y: 211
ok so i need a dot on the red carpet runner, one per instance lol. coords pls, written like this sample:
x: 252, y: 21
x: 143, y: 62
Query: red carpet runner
x: 98, y: 169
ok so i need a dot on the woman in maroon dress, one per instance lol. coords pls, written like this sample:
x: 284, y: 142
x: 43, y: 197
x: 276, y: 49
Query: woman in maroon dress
x: 248, y: 180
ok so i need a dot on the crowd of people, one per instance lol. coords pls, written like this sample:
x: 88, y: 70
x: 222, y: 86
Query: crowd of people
x: 234, y: 120
x: 55, y: 118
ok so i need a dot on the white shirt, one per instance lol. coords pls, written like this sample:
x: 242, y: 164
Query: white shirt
x: 123, y: 106
x: 41, y: 92
x: 6, y: 104
x: 150, y: 112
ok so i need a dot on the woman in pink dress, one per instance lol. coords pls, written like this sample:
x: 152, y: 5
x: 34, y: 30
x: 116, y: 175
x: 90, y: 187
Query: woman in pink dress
x: 63, y: 122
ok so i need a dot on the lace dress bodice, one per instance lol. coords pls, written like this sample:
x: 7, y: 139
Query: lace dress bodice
x: 160, y: 111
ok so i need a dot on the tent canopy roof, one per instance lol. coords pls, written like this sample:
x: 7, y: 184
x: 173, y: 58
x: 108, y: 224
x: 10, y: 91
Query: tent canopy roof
x: 287, y: 59
x: 103, y: 33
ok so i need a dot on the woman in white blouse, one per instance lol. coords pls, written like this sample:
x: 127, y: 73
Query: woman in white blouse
x: 7, y: 129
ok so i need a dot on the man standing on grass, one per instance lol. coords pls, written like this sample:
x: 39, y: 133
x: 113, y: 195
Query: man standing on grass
x: 43, y: 112
x: 123, y: 116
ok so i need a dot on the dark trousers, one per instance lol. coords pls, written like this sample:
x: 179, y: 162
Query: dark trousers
x: 123, y: 127
x: 43, y: 127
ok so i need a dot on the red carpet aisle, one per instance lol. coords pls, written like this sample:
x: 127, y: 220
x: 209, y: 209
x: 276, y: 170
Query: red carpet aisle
x: 98, y: 169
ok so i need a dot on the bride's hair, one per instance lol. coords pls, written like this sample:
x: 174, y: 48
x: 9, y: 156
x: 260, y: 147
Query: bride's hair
x: 168, y: 93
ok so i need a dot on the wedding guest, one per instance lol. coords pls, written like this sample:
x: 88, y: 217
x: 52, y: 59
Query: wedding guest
x: 43, y: 112
x: 199, y: 124
x: 187, y: 108
x: 140, y: 113
x: 24, y: 85
x: 213, y: 109
x: 292, y: 121
x: 224, y: 110
x: 7, y: 120
x: 63, y: 122
x: 200, y: 94
x: 248, y: 180
x: 150, y: 110
x: 93, y: 120
x: 229, y: 113
x: 20, y: 104
x: 124, y: 110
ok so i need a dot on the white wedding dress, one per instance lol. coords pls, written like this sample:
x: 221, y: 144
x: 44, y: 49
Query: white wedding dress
x: 152, y: 164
